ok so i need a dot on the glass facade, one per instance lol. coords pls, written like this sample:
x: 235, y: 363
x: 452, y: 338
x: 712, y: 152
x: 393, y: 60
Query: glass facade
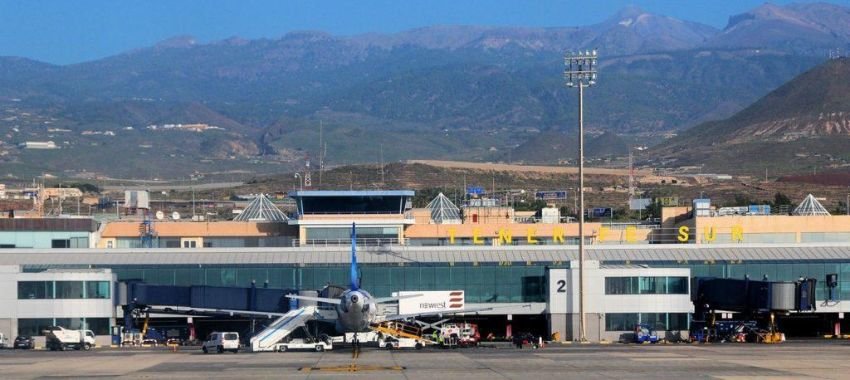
x: 212, y: 242
x: 35, y: 326
x: 482, y: 283
x: 344, y: 233
x: 487, y: 282
x: 646, y: 285
x: 657, y: 321
x: 63, y: 289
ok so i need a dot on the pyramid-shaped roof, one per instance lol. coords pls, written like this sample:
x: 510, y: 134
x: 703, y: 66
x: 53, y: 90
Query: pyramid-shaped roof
x: 261, y: 209
x: 443, y: 211
x: 810, y: 206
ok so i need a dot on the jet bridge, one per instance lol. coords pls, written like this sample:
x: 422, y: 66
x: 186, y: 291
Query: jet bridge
x: 757, y: 302
x: 138, y: 295
x: 138, y: 299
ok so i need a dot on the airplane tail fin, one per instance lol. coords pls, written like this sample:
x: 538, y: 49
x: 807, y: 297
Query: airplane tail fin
x: 355, y: 275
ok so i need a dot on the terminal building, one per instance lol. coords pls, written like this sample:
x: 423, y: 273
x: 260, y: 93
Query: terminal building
x: 523, y: 270
x: 72, y: 298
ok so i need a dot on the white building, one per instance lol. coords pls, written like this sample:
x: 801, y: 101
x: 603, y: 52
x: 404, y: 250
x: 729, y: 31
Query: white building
x: 71, y: 298
x: 619, y: 297
x: 38, y: 145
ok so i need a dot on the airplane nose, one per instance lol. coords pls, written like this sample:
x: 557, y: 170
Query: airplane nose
x: 354, y: 299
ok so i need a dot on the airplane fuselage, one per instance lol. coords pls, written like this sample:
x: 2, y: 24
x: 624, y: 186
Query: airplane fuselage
x: 355, y: 311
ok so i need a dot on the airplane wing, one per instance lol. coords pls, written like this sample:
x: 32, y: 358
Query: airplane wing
x: 391, y: 299
x: 445, y: 312
x: 335, y: 301
x: 212, y: 312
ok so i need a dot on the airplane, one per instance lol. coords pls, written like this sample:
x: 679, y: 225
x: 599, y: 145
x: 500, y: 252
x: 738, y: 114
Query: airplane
x: 356, y: 308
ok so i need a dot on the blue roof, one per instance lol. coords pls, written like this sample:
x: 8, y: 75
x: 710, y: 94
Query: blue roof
x: 351, y: 193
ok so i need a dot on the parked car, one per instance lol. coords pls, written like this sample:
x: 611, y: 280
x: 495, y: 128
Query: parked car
x: 25, y: 342
x: 222, y: 341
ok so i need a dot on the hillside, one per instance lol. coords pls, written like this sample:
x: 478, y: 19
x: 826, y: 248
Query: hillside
x: 452, y: 92
x: 607, y: 187
x: 804, y: 124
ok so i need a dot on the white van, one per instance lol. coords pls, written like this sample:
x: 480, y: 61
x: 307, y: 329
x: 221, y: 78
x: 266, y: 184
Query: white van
x: 222, y: 341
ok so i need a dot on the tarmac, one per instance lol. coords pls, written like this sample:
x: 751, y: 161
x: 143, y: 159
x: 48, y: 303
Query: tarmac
x: 808, y: 359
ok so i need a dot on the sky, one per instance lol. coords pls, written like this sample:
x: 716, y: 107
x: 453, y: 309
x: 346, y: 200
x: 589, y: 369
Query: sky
x: 73, y: 31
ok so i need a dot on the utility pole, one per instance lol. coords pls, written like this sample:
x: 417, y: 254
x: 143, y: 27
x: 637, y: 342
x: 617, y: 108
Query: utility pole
x: 321, y: 153
x: 581, y: 72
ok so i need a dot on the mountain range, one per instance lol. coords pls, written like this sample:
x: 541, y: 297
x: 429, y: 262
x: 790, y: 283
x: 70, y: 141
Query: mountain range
x: 448, y: 92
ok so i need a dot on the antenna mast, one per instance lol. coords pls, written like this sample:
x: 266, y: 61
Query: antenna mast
x: 307, y: 180
x: 631, y: 175
x: 382, y: 165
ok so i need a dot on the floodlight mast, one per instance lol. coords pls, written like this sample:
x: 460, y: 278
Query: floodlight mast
x: 580, y: 72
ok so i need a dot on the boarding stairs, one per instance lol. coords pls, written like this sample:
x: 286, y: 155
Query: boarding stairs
x: 281, y: 328
x: 400, y: 329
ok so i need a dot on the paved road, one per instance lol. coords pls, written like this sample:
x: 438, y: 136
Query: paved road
x: 728, y: 361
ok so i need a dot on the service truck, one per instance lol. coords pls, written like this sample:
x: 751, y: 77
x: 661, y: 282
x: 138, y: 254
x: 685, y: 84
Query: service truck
x: 392, y: 343
x: 463, y: 334
x: 59, y: 338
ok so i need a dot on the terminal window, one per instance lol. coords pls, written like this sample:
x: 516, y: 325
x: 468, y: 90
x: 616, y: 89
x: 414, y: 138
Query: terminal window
x: 97, y: 289
x: 69, y: 289
x: 656, y: 321
x: 35, y: 326
x: 63, y: 290
x: 646, y: 285
x: 61, y: 243
x: 35, y: 290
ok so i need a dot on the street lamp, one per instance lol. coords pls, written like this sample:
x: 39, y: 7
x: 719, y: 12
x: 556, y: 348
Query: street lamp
x: 580, y: 72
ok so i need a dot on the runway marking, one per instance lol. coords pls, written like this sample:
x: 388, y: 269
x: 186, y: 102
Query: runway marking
x: 352, y: 368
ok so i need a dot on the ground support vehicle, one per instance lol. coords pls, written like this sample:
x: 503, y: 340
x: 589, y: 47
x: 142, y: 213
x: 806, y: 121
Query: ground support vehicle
x: 645, y: 334
x: 463, y: 334
x: 282, y: 328
x: 221, y: 341
x: 391, y: 343
x: 317, y: 345
x: 59, y: 338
